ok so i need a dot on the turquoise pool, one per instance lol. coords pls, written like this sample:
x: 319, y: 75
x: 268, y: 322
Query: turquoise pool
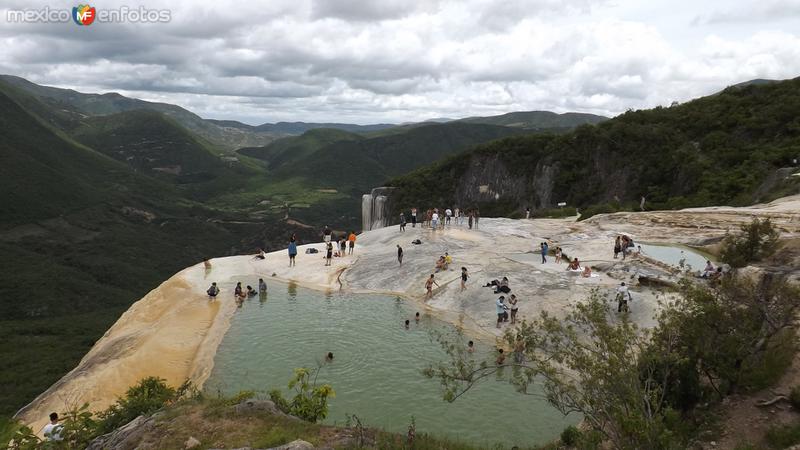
x: 377, y: 366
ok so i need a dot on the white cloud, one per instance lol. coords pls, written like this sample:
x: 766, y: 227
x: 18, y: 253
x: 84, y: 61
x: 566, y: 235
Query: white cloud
x: 410, y: 60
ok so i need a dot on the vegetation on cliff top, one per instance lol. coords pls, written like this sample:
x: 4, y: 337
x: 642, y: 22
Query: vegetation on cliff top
x: 716, y: 150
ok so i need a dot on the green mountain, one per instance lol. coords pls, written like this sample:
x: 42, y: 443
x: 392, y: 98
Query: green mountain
x: 293, y: 148
x: 736, y: 147
x: 355, y: 166
x: 539, y: 120
x: 225, y: 136
x: 295, y: 128
x: 85, y: 235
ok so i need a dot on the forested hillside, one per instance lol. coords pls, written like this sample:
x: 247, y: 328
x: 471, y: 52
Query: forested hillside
x: 736, y: 147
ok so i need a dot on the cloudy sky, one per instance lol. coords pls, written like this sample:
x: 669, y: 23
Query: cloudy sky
x: 408, y: 60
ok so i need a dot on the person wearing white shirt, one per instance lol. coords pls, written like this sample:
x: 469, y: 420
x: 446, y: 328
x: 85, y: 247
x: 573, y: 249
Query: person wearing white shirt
x: 447, y: 214
x: 52, y: 431
x: 435, y: 220
x: 623, y: 295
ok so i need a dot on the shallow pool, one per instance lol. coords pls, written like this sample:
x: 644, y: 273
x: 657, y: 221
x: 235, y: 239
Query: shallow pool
x: 676, y: 255
x: 377, y: 366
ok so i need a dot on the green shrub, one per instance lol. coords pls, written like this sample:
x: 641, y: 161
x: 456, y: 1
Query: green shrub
x: 310, y: 402
x: 758, y: 240
x: 150, y: 395
x: 794, y: 398
x: 570, y: 436
x: 780, y: 437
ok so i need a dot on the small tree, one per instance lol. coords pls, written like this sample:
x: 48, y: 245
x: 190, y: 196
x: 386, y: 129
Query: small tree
x: 721, y: 334
x: 587, y: 363
x: 149, y: 395
x: 310, y: 401
x: 757, y: 240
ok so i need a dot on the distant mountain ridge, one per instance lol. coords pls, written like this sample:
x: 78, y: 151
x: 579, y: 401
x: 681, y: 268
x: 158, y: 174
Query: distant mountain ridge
x: 537, y: 120
x: 227, y: 138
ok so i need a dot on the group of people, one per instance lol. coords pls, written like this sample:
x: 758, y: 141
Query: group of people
x: 239, y: 293
x: 624, y: 244
x: 342, y: 247
x: 443, y: 263
x: 438, y: 219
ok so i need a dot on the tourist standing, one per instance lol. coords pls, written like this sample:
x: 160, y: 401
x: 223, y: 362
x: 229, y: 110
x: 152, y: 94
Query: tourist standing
x: 326, y: 235
x: 617, y: 246
x: 413, y: 217
x: 501, y: 310
x: 477, y: 216
x: 464, y: 278
x: 352, y: 239
x: 447, y: 214
x: 343, y: 246
x: 558, y: 255
x: 545, y: 249
x: 457, y: 216
x: 292, y: 251
x: 328, y: 253
x: 528, y: 212
x: 469, y: 220
x: 402, y: 222
x: 435, y: 219
x: 514, y: 308
x: 399, y: 254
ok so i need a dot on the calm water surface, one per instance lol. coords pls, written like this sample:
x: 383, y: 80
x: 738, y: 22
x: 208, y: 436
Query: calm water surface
x: 377, y: 366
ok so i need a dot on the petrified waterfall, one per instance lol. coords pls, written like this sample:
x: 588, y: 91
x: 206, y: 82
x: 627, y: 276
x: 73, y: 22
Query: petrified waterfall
x: 375, y: 208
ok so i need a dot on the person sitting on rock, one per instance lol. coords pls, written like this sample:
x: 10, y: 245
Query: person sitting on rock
x: 447, y: 260
x: 502, y: 286
x: 440, y: 264
x: 708, y: 271
x: 587, y: 272
x: 574, y: 265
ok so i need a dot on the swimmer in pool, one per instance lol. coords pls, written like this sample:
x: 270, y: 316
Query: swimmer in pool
x: 407, y: 323
x: 416, y: 317
x: 471, y: 347
x: 329, y: 357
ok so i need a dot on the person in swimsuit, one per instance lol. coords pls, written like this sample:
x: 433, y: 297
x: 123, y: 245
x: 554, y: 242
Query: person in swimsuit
x: 328, y: 254
x: 464, y: 278
x: 429, y: 286
x: 400, y: 254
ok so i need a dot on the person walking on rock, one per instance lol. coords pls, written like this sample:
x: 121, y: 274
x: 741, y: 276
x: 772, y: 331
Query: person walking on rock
x: 399, y: 254
x: 623, y: 295
x: 402, y: 222
x: 429, y: 287
x: 545, y: 249
x: 464, y: 278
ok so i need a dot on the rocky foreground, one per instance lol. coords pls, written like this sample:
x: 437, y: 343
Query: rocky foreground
x: 174, y: 331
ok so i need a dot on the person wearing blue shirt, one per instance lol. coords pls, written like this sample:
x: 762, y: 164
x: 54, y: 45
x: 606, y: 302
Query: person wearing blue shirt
x: 292, y: 251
